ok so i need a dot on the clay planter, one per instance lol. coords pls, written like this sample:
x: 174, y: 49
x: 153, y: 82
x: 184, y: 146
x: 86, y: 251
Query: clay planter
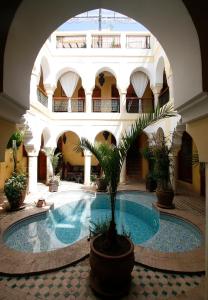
x: 110, y: 275
x: 165, y: 199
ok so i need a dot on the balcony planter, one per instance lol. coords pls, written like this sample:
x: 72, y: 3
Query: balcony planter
x: 110, y: 275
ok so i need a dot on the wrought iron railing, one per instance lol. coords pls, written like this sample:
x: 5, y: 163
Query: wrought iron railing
x: 136, y: 105
x: 78, y: 41
x: 42, y: 97
x: 106, y: 41
x: 138, y: 41
x: 64, y: 105
x: 106, y: 105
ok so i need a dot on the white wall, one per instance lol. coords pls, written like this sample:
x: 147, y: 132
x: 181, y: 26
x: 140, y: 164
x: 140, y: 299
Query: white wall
x: 168, y: 20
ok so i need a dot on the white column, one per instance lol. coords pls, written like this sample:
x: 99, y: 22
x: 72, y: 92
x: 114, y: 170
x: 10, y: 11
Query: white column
x: 32, y: 173
x: 88, y: 99
x: 88, y: 39
x: 33, y: 87
x: 49, y: 169
x: 50, y: 99
x: 156, y: 91
x: 87, y: 168
x: 123, y: 102
x: 206, y: 233
x: 123, y: 173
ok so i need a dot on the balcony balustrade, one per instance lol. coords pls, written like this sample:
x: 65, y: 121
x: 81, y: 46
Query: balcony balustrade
x: 64, y: 105
x: 136, y: 105
x: 137, y: 42
x: 78, y: 41
x: 42, y: 97
x: 103, y: 41
x: 106, y: 105
x: 106, y: 41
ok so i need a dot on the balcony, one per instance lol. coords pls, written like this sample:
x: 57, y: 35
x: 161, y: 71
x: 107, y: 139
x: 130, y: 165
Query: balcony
x: 78, y: 41
x: 61, y: 104
x: 106, y: 105
x: 103, y: 41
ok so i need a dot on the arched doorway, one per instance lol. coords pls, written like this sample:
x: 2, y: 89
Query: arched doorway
x: 72, y: 162
x: 136, y: 165
x: 191, y: 173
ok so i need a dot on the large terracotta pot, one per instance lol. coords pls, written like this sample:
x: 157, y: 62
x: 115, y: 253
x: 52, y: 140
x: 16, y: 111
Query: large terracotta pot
x: 17, y: 203
x: 165, y: 198
x: 110, y: 276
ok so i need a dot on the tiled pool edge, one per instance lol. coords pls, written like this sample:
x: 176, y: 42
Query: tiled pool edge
x: 16, y: 263
x: 190, y: 261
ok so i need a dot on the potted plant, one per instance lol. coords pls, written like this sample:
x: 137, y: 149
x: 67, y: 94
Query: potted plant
x: 54, y: 159
x: 15, y: 186
x: 15, y: 190
x: 162, y: 169
x: 112, y: 254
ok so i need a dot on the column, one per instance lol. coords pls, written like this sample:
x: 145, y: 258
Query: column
x: 206, y: 233
x: 88, y: 104
x: 32, y: 173
x: 123, y: 102
x: 50, y: 88
x: 87, y: 167
x: 156, y: 91
x: 49, y: 169
x: 33, y: 87
x: 170, y: 85
x: 123, y: 173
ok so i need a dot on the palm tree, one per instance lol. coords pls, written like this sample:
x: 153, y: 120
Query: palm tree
x: 111, y: 157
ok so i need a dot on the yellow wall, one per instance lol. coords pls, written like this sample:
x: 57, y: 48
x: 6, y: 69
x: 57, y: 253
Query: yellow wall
x: 198, y: 131
x: 68, y: 152
x: 7, y: 167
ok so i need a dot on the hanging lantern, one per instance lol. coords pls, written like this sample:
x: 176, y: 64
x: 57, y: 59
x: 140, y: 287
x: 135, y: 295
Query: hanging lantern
x: 106, y: 135
x: 101, y: 79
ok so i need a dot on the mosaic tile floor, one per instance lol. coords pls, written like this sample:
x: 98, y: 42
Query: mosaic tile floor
x: 72, y: 283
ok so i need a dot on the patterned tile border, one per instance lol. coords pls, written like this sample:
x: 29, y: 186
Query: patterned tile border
x: 16, y: 262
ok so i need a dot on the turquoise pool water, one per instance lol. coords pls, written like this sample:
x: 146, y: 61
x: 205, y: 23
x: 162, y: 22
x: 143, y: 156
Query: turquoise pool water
x: 70, y: 222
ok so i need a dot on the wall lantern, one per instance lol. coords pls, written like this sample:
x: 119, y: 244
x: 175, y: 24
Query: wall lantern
x: 101, y: 79
x: 106, y: 135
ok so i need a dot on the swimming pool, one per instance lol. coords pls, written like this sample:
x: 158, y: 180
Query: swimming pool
x: 70, y: 222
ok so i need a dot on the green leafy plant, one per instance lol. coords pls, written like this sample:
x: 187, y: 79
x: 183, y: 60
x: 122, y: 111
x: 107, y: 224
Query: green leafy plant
x: 111, y: 157
x: 161, y: 153
x: 16, y: 136
x: 14, y: 188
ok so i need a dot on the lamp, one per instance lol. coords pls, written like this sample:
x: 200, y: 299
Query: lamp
x: 101, y: 79
x: 106, y: 134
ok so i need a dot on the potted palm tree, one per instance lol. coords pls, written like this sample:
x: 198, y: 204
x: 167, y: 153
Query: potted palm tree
x: 162, y: 168
x: 111, y: 254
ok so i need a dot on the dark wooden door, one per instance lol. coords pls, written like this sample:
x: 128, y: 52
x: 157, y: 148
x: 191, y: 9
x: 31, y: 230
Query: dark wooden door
x: 42, y: 165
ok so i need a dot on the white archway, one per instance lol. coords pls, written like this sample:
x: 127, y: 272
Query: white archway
x: 168, y: 20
